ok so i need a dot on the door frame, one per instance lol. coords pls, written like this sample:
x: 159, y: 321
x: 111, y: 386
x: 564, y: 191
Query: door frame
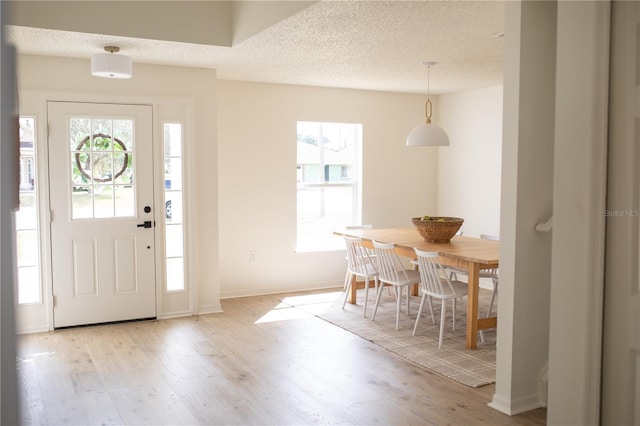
x: 579, y: 202
x: 104, y: 305
x: 39, y: 317
x: 620, y: 386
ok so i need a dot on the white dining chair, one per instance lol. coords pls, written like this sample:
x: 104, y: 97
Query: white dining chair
x: 435, y: 283
x: 355, y: 227
x: 359, y: 264
x: 392, y: 272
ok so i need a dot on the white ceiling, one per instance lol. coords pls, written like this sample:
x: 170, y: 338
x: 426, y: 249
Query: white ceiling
x: 373, y: 45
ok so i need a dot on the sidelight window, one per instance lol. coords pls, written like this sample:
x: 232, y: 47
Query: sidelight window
x: 173, y: 197
x: 26, y: 219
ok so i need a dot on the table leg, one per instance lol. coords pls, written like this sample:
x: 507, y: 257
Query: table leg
x: 415, y: 289
x: 472, y: 305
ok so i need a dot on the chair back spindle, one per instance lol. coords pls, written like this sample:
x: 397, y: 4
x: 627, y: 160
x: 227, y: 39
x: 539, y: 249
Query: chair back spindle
x: 389, y: 266
x: 358, y: 257
x: 434, y: 279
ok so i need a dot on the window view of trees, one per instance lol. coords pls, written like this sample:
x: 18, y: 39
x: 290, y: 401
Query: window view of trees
x: 102, y: 172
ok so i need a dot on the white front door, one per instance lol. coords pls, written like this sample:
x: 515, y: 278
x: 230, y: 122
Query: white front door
x: 101, y: 190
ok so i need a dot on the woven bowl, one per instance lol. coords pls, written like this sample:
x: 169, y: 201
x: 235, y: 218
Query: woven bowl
x: 437, y: 231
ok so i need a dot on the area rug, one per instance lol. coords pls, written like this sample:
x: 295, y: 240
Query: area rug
x: 472, y: 368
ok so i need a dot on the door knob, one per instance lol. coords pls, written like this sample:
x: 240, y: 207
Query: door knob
x: 146, y: 224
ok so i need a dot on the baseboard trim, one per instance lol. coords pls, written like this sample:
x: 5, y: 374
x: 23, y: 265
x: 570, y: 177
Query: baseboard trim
x: 330, y: 286
x: 171, y: 315
x: 515, y: 406
x: 210, y: 309
x: 33, y: 330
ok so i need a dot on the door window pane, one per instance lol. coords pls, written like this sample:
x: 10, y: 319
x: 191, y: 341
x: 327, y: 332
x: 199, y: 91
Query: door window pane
x: 82, y: 201
x: 123, y: 130
x: 122, y: 165
x: 79, y: 128
x: 103, y: 202
x: 102, y: 167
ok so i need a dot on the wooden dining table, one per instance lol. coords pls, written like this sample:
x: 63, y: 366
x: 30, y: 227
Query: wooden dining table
x: 471, y: 254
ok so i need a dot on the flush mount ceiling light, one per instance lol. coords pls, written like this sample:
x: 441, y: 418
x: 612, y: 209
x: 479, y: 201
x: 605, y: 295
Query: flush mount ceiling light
x: 109, y: 65
x: 428, y: 134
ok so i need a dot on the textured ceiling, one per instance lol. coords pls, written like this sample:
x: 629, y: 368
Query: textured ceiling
x: 373, y: 45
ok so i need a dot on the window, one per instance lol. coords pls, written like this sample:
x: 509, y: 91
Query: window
x: 328, y: 182
x: 26, y: 219
x: 174, y: 241
x: 102, y: 178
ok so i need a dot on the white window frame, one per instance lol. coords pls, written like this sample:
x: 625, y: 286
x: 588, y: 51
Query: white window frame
x: 27, y: 165
x: 166, y: 288
x: 355, y: 183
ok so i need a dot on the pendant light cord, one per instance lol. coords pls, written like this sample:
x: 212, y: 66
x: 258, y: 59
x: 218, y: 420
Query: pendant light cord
x: 427, y: 106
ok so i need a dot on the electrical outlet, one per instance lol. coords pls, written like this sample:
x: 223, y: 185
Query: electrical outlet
x: 252, y: 256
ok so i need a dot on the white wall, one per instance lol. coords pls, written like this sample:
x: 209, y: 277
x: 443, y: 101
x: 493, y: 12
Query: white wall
x: 243, y: 167
x: 257, y: 174
x: 469, y: 169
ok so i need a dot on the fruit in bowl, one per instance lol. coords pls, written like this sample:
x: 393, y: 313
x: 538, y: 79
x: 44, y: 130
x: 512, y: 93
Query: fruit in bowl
x: 437, y: 229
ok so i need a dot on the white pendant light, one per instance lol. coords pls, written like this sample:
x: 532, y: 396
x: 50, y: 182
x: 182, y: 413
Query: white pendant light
x: 428, y: 134
x: 109, y: 65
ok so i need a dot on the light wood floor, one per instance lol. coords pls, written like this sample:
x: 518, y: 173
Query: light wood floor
x: 231, y: 368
